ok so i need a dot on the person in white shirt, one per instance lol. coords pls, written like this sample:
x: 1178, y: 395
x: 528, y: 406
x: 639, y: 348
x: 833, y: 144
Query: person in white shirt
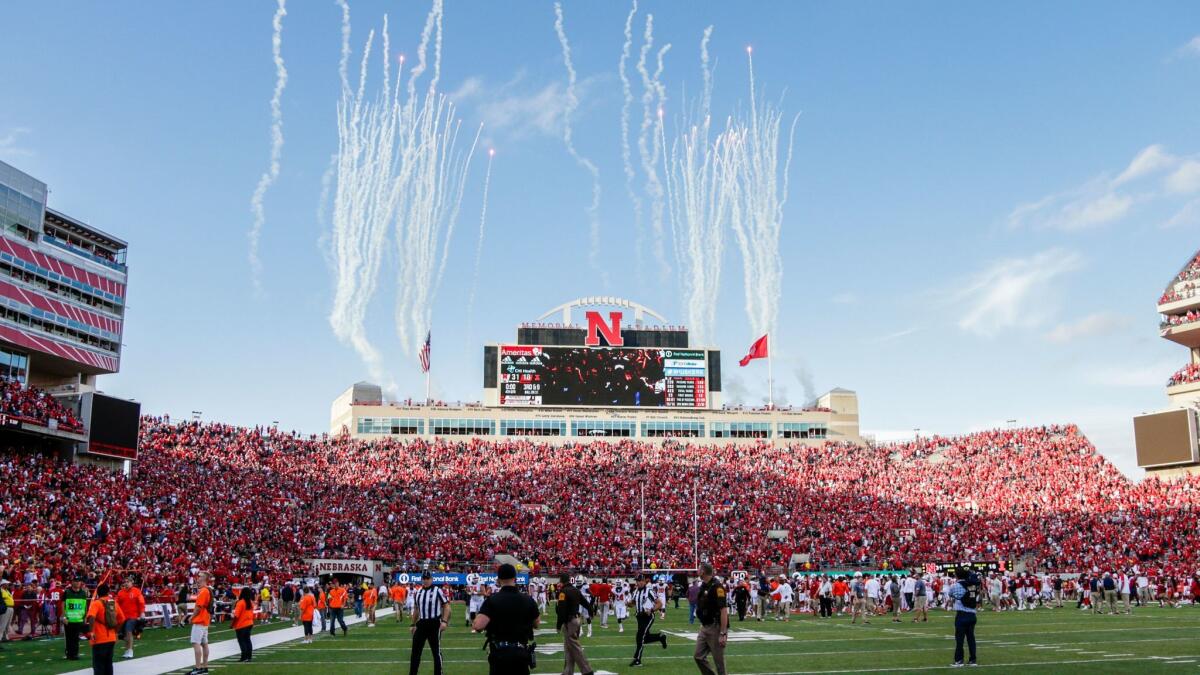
x: 873, y: 589
x: 784, y: 610
x: 1143, y: 589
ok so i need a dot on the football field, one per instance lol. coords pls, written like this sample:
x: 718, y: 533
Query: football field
x: 1041, y: 641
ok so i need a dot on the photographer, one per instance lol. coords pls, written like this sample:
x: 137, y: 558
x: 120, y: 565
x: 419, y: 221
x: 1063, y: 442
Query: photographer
x: 509, y: 618
x: 966, y: 598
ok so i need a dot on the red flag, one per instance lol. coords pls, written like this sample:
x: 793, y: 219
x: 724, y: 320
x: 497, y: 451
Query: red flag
x: 758, y: 350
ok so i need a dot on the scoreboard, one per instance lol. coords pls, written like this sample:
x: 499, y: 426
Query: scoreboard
x: 603, y: 377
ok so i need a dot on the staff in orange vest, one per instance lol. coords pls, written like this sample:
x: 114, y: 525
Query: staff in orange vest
x: 308, y: 607
x: 322, y: 608
x: 399, y: 593
x: 370, y: 599
x: 337, y: 605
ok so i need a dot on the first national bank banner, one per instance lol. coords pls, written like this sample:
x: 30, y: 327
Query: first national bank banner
x: 454, y: 578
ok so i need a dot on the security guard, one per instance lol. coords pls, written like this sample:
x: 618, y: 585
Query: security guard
x: 509, y: 618
x: 567, y: 610
x: 713, y: 611
x: 75, y: 602
x: 966, y: 601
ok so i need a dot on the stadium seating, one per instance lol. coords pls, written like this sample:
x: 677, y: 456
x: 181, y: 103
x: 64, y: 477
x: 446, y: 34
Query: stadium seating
x: 1185, y: 375
x: 33, y: 405
x: 243, y: 501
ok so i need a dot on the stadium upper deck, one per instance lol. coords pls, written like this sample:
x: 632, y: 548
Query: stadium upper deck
x: 566, y: 382
x: 62, y: 290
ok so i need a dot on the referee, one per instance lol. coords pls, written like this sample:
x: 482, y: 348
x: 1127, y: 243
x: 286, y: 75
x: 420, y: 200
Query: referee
x: 431, y: 616
x: 646, y: 602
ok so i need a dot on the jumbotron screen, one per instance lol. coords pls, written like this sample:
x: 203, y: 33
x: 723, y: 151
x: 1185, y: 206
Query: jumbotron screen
x: 608, y: 377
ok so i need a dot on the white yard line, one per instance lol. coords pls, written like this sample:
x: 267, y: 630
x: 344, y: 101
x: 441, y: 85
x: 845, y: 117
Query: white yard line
x: 184, y: 659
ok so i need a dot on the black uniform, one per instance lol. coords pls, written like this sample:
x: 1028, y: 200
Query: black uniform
x: 511, y: 617
x: 741, y: 598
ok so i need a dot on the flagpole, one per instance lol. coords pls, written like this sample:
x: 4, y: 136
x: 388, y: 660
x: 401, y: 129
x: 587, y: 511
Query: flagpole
x: 770, y: 376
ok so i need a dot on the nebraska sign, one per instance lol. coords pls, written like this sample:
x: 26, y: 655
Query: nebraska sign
x: 366, y: 568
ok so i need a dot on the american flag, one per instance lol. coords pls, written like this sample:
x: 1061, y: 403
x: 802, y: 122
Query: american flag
x: 424, y: 355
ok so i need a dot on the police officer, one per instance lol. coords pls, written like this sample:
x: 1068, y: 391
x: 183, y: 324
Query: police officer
x: 966, y: 599
x: 509, y: 618
x: 75, y: 602
x: 567, y: 611
x: 713, y: 611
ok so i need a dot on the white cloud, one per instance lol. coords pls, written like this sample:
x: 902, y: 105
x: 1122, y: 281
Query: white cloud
x: 1101, y: 323
x: 1153, y: 159
x: 891, y: 336
x: 1014, y: 292
x: 1189, y: 214
x: 1153, y: 177
x: 1190, y: 49
x: 515, y: 109
x: 10, y: 142
x: 1186, y: 178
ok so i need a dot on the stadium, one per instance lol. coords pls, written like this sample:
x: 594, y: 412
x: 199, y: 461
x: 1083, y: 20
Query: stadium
x: 605, y: 478
x: 608, y: 480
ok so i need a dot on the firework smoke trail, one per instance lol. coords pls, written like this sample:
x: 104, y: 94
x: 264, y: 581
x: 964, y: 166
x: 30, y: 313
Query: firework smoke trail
x: 653, y: 98
x: 487, y: 182
x: 397, y: 167
x: 593, y: 209
x: 429, y: 191
x: 757, y: 224
x: 702, y: 191
x: 268, y: 178
x: 627, y: 103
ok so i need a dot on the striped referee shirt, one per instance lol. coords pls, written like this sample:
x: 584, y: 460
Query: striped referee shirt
x: 428, y: 603
x: 644, y: 599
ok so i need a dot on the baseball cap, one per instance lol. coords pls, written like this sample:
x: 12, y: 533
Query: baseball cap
x: 426, y: 575
x: 857, y: 575
x: 506, y: 571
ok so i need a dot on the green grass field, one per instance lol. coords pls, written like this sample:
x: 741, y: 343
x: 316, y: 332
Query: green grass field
x: 1042, y: 641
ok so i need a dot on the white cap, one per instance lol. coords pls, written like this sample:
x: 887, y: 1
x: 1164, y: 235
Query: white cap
x: 857, y: 575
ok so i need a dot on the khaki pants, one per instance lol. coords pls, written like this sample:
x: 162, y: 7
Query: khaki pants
x: 1110, y: 598
x: 1144, y: 594
x: 708, y: 641
x: 572, y: 650
x: 1097, y: 601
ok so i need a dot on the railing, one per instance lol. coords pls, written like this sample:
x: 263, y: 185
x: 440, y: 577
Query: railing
x: 120, y: 267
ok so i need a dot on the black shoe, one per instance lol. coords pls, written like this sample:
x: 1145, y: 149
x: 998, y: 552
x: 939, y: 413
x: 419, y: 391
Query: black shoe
x: 634, y: 663
x: 663, y: 637
x: 345, y: 631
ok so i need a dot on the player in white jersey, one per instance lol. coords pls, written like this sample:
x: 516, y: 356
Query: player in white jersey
x: 620, y: 600
x: 661, y: 590
x: 476, y: 592
x: 539, y: 595
x: 584, y: 614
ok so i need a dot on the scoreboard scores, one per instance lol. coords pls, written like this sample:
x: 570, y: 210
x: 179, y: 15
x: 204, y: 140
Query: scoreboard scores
x: 589, y: 376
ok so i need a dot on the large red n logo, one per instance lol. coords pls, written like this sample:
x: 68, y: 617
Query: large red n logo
x: 597, y: 327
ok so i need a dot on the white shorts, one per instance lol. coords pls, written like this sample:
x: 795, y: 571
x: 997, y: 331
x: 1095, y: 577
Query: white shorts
x: 475, y: 605
x: 199, y: 634
x: 620, y: 610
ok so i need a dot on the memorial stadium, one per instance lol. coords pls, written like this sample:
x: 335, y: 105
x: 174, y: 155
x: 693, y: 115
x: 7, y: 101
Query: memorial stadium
x: 606, y: 498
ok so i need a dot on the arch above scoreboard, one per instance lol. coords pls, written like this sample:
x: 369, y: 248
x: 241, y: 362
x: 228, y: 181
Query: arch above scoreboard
x: 639, y: 310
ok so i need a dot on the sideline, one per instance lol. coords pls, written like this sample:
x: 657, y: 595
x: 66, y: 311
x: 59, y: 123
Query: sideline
x: 184, y: 659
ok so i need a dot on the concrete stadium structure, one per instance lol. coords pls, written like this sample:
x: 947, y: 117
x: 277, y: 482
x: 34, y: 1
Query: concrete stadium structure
x: 687, y: 384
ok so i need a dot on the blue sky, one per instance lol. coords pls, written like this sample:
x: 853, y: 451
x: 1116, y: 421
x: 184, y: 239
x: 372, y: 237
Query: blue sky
x: 986, y: 200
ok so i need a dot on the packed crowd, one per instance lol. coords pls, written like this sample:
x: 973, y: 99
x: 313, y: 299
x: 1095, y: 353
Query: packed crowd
x: 1191, y: 316
x: 1185, y: 375
x: 242, y: 502
x: 33, y: 405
